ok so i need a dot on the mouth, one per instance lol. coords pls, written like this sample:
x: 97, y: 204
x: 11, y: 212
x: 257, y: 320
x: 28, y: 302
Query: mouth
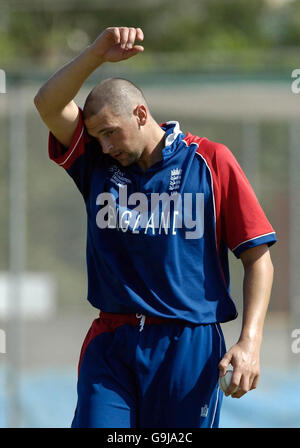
x: 118, y: 155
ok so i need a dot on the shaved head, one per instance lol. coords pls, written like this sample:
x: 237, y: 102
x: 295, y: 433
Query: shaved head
x: 116, y: 114
x: 120, y: 95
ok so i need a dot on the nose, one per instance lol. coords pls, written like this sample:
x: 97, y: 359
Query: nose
x: 107, y: 147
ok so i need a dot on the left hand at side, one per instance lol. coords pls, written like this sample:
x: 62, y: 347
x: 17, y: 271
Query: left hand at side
x: 244, y: 358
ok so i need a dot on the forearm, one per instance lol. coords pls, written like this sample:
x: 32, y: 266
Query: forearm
x: 244, y: 355
x: 258, y: 279
x: 64, y: 85
x: 54, y: 101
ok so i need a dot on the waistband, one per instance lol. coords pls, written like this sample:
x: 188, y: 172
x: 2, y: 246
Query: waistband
x: 135, y: 319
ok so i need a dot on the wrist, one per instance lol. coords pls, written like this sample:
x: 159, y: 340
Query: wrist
x: 94, y: 58
x: 251, y: 335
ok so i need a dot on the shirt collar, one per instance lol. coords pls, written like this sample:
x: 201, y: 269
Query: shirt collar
x: 172, y: 139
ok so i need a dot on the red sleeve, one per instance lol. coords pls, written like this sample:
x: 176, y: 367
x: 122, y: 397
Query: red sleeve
x: 65, y: 157
x: 240, y: 220
x: 80, y: 159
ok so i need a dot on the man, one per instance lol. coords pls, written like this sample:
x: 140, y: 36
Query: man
x: 163, y: 208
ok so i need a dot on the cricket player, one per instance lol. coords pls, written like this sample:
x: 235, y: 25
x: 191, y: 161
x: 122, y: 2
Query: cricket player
x: 163, y: 209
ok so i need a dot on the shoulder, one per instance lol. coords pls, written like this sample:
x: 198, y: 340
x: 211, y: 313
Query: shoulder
x: 214, y: 154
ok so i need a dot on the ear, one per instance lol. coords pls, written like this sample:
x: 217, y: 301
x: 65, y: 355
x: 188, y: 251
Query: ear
x: 141, y: 114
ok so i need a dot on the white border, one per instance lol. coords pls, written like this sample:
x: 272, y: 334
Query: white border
x: 176, y: 131
x: 212, y: 186
x: 251, y: 239
x: 62, y: 163
x: 218, y: 391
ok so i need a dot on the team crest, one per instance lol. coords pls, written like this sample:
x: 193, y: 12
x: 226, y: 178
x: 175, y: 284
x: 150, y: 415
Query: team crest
x: 175, y: 178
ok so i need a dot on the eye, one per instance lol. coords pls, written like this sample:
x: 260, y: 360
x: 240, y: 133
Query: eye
x: 108, y: 133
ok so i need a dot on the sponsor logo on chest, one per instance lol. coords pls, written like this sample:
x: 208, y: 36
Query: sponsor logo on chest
x: 118, y: 177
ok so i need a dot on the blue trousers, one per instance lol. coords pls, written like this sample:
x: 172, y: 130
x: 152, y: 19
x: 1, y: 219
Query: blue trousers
x: 141, y: 373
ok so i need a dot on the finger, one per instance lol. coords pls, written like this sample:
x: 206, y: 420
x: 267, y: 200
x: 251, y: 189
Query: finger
x: 234, y: 384
x: 244, y: 387
x: 123, y: 37
x: 139, y: 34
x: 139, y: 47
x: 254, y: 382
x: 239, y: 393
x: 131, y: 38
x: 114, y: 33
x: 223, y: 365
x: 133, y: 51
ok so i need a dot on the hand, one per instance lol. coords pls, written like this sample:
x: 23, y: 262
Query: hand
x: 117, y: 44
x: 244, y: 358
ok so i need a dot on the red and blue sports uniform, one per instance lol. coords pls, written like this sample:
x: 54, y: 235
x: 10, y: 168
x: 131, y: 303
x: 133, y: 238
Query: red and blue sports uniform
x: 165, y: 274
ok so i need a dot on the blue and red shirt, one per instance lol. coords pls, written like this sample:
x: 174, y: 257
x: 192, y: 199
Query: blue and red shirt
x: 158, y: 240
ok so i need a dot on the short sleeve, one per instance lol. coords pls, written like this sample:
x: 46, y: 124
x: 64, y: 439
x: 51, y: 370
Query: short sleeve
x: 243, y: 222
x: 79, y: 159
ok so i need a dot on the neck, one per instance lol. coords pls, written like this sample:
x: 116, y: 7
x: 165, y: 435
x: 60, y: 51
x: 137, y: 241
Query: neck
x: 153, y: 150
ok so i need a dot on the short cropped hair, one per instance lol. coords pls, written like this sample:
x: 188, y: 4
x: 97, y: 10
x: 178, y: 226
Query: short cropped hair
x: 121, y: 95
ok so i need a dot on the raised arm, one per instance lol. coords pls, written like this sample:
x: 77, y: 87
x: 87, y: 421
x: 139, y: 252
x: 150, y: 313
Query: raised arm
x: 54, y: 100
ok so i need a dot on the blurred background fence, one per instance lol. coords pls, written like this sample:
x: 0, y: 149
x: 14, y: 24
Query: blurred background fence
x: 223, y: 70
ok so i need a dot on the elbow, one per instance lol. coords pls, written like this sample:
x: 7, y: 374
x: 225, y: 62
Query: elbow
x: 37, y: 100
x: 40, y: 104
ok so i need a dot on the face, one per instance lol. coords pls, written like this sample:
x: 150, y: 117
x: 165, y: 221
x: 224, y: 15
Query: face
x: 119, y: 136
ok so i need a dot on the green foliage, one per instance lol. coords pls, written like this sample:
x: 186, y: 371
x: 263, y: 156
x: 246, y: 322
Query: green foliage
x: 46, y: 33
